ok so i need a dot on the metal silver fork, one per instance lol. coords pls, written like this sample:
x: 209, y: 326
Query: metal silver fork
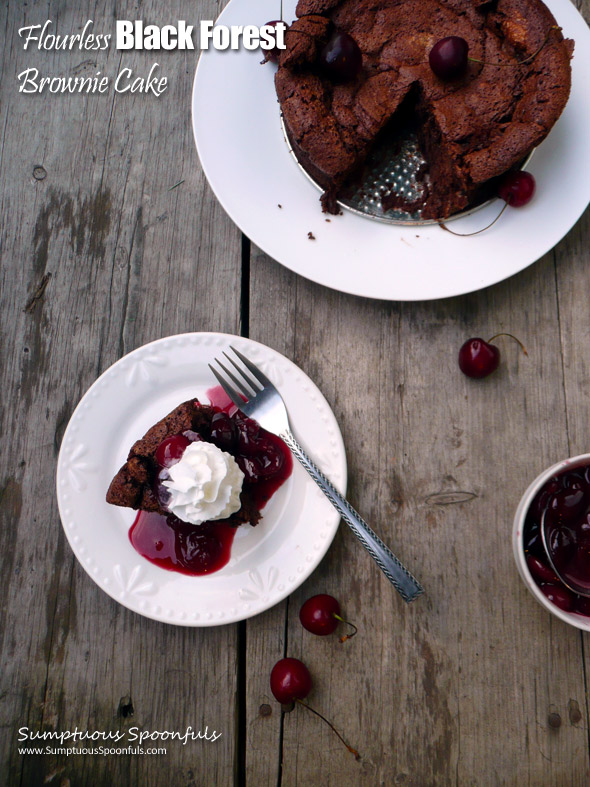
x: 265, y: 404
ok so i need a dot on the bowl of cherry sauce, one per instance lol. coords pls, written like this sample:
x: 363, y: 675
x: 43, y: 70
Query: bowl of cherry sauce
x: 561, y: 497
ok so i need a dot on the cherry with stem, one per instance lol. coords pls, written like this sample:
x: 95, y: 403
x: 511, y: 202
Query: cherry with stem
x: 478, y: 358
x: 290, y: 682
x: 321, y: 615
x: 516, y: 189
x: 449, y: 57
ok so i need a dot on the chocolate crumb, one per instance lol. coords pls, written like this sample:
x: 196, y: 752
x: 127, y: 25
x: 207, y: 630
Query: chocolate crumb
x: 329, y: 202
x: 311, y: 236
x: 328, y: 220
x: 279, y: 206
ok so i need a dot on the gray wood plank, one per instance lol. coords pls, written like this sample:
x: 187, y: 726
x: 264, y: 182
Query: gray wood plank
x: 130, y: 260
x: 456, y: 688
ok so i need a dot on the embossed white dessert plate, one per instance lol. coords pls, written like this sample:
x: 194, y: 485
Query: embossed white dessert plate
x: 237, y: 128
x: 268, y: 561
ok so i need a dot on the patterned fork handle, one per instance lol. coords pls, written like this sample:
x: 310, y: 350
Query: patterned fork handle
x: 396, y: 573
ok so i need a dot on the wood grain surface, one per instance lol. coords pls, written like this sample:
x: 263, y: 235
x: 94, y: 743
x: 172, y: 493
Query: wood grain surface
x: 110, y: 238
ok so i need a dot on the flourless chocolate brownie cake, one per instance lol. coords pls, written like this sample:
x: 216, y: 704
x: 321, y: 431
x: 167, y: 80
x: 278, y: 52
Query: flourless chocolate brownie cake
x: 472, y: 128
x: 134, y: 486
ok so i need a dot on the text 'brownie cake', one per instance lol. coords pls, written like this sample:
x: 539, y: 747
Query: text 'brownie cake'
x: 472, y: 128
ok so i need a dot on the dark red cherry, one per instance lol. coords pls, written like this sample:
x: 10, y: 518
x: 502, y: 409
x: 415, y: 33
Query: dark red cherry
x: 161, y: 492
x: 250, y: 467
x: 448, y: 57
x: 478, y: 358
x: 582, y: 605
x: 318, y: 614
x: 223, y: 432
x: 271, y: 460
x: 290, y: 680
x: 567, y: 503
x: 559, y: 595
x: 517, y: 188
x: 171, y: 449
x: 583, y: 530
x: 562, y: 546
x: 200, y: 547
x: 248, y: 435
x: 540, y: 570
x: 272, y: 55
x: 341, y: 57
x: 585, y: 477
x: 541, y: 500
x: 578, y: 569
x: 533, y: 544
x: 266, y: 461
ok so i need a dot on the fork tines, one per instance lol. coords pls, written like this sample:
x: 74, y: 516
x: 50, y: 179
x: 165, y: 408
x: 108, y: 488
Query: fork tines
x: 248, y: 386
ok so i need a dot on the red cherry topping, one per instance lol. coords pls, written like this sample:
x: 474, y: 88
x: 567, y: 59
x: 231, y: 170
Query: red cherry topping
x: 517, y: 188
x: 562, y: 546
x: 582, y: 605
x: 223, y: 432
x: 341, y: 57
x: 567, y: 503
x: 290, y: 680
x: 171, y: 449
x: 563, y: 502
x: 540, y: 570
x: 448, y: 57
x: 559, y: 595
x: 478, y: 358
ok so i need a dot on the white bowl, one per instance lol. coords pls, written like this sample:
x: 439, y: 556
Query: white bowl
x: 579, y: 621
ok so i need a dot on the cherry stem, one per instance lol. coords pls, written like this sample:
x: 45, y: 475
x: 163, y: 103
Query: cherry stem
x: 529, y: 59
x: 357, y: 756
x: 522, y: 347
x: 468, y: 234
x: 348, y: 623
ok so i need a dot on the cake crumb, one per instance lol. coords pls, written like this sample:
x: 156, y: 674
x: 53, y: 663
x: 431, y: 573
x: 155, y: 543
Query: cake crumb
x: 279, y: 205
x: 329, y: 202
x: 328, y: 220
x: 311, y: 236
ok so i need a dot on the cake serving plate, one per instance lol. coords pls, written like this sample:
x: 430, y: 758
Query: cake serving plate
x: 267, y: 561
x: 243, y: 152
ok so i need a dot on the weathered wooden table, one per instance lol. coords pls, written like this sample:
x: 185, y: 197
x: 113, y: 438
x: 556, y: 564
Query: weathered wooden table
x: 102, y: 251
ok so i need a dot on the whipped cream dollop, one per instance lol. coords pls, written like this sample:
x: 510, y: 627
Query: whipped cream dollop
x: 204, y: 485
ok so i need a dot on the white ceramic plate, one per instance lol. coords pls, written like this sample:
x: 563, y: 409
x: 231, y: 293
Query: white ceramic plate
x: 238, y: 133
x: 268, y: 561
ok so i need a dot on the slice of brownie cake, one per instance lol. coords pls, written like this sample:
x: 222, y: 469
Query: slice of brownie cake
x: 135, y: 485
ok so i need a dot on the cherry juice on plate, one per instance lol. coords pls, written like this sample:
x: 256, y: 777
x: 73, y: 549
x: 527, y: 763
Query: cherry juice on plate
x: 263, y: 458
